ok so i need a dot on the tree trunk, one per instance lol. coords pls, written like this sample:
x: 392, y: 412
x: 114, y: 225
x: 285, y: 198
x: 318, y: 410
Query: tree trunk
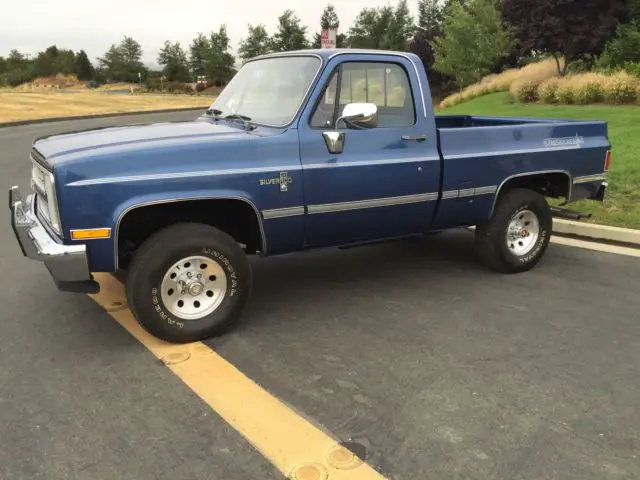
x: 561, y: 69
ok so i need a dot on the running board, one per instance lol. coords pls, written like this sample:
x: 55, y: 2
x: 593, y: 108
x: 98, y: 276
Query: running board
x: 569, y: 214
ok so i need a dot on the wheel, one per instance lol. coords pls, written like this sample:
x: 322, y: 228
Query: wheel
x: 188, y: 282
x: 516, y: 237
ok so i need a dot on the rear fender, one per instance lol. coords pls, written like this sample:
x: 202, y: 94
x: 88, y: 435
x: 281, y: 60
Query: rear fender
x: 521, y: 180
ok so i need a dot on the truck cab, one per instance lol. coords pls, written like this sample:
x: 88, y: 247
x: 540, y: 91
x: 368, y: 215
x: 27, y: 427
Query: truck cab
x: 301, y: 150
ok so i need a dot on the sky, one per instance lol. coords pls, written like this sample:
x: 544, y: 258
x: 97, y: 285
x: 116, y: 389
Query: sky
x: 31, y: 26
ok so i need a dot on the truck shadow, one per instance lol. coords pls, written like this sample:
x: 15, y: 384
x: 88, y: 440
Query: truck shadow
x: 289, y: 283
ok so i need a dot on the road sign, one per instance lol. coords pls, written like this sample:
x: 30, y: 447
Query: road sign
x: 329, y: 38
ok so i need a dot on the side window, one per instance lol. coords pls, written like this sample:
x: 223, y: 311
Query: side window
x: 325, y: 109
x: 384, y: 84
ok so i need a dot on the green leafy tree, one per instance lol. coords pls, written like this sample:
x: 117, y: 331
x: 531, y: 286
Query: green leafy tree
x: 123, y: 62
x: 623, y: 49
x: 174, y: 61
x: 54, y: 60
x: 475, y: 38
x: 369, y: 27
x: 3, y: 65
x: 83, y: 67
x: 16, y: 60
x: 400, y: 29
x: 431, y: 17
x: 257, y: 43
x: 198, y: 53
x: 45, y: 62
x: 291, y: 34
x: 219, y: 61
x: 18, y: 69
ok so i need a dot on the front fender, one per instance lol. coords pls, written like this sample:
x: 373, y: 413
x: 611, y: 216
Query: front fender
x: 141, y: 201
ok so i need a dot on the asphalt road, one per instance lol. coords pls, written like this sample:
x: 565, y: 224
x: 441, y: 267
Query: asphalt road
x: 438, y: 367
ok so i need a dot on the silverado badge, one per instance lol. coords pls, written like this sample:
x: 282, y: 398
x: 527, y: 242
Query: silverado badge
x: 283, y: 180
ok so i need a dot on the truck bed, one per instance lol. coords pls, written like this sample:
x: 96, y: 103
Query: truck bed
x: 464, y: 121
x: 481, y: 153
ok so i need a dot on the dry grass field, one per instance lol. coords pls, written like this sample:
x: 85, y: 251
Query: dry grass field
x: 16, y: 106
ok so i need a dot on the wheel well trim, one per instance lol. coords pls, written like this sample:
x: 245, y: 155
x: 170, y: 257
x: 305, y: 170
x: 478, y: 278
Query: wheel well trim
x: 116, y: 230
x: 532, y: 174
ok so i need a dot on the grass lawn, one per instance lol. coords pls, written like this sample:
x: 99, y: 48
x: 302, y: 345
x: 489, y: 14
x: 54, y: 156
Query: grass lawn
x: 622, y: 205
x: 16, y: 106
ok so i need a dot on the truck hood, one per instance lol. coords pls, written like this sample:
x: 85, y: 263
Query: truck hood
x: 132, y: 137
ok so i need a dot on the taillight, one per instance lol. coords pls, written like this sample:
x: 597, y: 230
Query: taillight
x: 607, y: 161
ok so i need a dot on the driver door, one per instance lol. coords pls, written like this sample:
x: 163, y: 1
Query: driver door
x: 384, y: 182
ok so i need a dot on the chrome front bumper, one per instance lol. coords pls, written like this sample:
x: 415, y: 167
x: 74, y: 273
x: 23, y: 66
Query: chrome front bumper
x: 67, y: 264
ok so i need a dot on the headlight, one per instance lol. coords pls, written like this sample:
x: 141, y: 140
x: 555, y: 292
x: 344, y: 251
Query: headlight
x: 44, y: 184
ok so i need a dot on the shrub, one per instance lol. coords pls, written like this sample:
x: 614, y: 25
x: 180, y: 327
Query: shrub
x: 177, y: 87
x: 564, y: 91
x: 632, y: 68
x: 152, y: 84
x: 547, y: 90
x: 588, y: 88
x: 200, y: 87
x: 535, y: 72
x: 524, y: 91
x: 620, y: 88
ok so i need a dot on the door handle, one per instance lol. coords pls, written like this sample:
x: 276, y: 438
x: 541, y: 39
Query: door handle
x: 417, y: 138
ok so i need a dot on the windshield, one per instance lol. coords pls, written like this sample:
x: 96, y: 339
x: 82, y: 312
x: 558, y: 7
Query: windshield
x: 268, y: 91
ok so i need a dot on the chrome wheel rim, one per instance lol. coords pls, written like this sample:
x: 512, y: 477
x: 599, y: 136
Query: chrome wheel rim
x: 193, y: 287
x: 523, y: 232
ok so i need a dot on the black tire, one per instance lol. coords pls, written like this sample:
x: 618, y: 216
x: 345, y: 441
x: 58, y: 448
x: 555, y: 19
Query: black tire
x: 491, y: 237
x: 154, y: 258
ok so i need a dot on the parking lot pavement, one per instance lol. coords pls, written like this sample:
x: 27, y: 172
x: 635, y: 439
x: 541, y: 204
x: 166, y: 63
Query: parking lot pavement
x: 433, y: 365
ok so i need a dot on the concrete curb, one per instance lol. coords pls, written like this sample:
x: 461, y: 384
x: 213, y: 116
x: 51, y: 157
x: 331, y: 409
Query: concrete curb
x: 101, y: 115
x: 623, y: 236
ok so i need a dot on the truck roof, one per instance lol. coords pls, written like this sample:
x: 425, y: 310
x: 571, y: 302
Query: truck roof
x: 326, y: 53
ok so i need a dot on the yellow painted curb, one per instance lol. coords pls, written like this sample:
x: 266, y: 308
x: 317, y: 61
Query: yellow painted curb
x: 291, y: 443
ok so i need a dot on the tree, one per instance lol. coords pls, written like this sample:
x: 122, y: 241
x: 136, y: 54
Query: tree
x: 219, y: 62
x: 291, y: 34
x: 83, y: 68
x: 174, y: 60
x: 18, y: 69
x: 475, y: 38
x: 45, y: 61
x: 431, y: 17
x: 623, y: 49
x: 123, y: 62
x: 256, y: 43
x: 400, y: 30
x: 569, y: 29
x: 198, y: 52
x: 329, y: 20
x: 370, y: 27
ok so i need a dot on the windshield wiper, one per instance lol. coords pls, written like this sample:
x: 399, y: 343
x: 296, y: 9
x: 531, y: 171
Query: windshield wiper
x: 237, y: 116
x: 213, y: 111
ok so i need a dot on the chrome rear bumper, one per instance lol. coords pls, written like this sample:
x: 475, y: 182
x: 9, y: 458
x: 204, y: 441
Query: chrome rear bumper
x: 67, y: 264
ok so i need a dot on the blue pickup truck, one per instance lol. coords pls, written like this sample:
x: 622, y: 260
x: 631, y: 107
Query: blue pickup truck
x: 302, y: 150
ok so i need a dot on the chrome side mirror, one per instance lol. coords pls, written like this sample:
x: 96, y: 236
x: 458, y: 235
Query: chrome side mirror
x: 358, y: 115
